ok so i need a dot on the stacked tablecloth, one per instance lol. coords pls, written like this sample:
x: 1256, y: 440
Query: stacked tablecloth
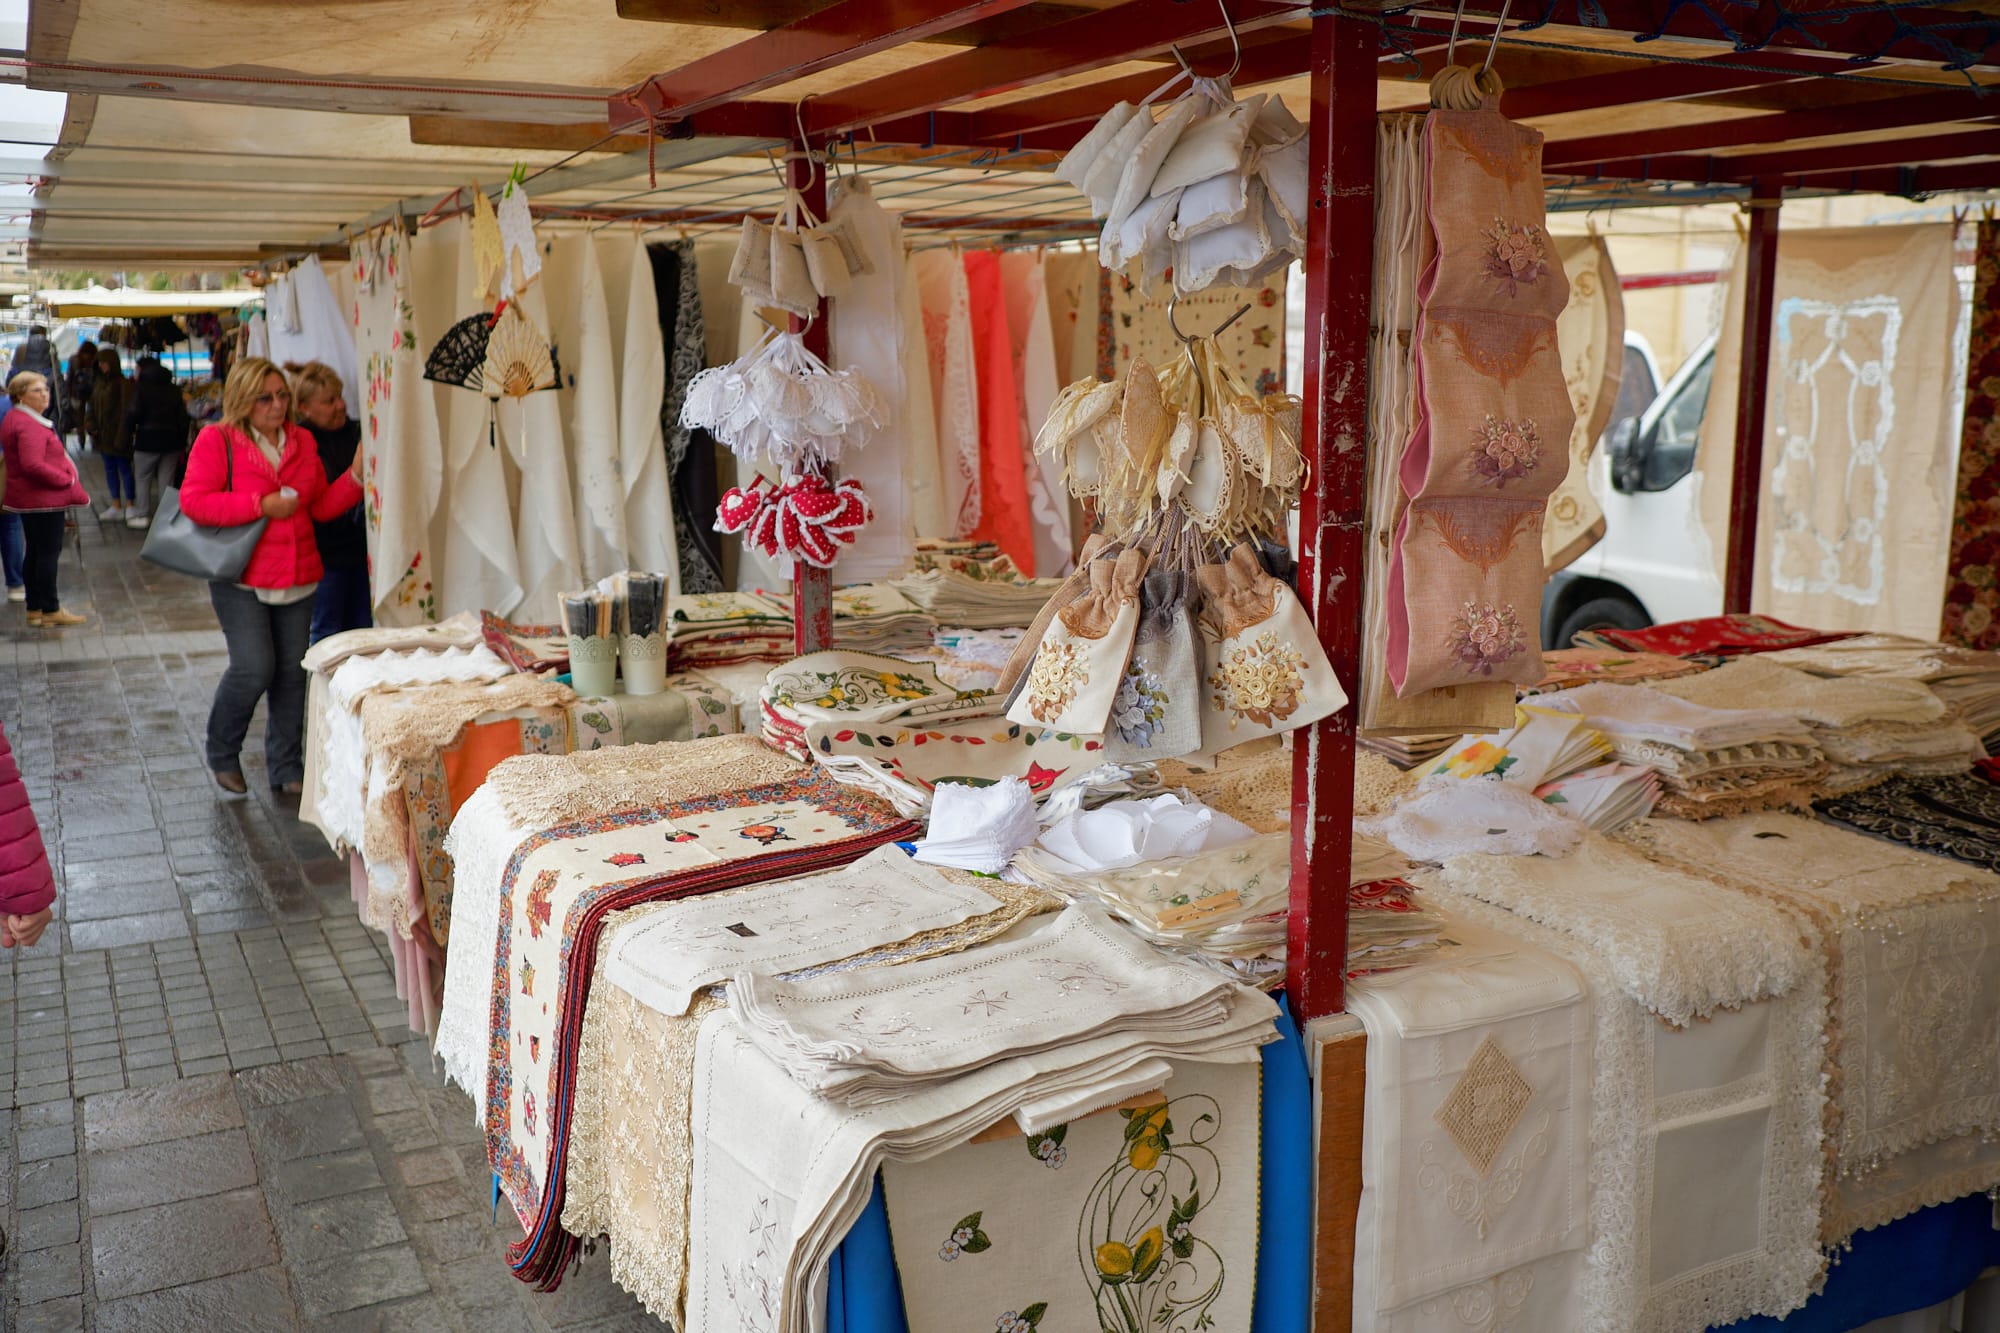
x: 976, y: 601
x: 717, y: 628
x: 1966, y: 679
x: 876, y: 618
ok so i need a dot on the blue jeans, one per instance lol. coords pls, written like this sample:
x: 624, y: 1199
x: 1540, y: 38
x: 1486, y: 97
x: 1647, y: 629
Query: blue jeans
x: 13, y: 548
x: 118, y: 478
x: 343, y: 602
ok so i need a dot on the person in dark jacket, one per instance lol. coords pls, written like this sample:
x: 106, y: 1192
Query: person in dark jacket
x: 111, y: 432
x: 82, y: 379
x: 36, y: 353
x: 42, y: 486
x: 158, y: 419
x: 343, y: 601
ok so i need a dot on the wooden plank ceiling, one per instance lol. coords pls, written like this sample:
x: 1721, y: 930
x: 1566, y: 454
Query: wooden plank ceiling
x: 213, y: 131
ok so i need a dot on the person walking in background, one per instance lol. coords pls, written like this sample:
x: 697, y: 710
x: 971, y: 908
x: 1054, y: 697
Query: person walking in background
x: 42, y: 485
x: 27, y: 885
x: 12, y: 545
x: 158, y: 424
x: 343, y: 601
x: 36, y: 353
x: 255, y: 463
x: 81, y: 380
x: 109, y: 399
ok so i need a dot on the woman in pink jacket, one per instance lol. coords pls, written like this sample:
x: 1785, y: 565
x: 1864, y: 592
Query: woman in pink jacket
x: 42, y: 486
x: 256, y: 464
x: 27, y: 886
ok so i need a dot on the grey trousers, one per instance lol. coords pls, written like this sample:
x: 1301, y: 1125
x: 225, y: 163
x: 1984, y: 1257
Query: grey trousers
x: 266, y: 644
x: 145, y: 468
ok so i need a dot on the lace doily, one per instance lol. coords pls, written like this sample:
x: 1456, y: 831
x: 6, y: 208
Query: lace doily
x: 1445, y: 818
x: 1753, y: 682
x: 1252, y: 783
x: 780, y: 407
x: 541, y: 791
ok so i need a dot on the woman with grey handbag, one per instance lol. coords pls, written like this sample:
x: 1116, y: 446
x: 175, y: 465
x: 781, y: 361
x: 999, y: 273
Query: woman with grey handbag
x: 256, y: 466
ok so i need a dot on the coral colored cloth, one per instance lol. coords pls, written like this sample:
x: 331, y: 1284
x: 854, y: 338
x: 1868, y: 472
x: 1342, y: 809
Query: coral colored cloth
x: 1004, y: 517
x: 26, y: 882
x: 39, y: 473
x: 287, y: 555
x: 1722, y: 636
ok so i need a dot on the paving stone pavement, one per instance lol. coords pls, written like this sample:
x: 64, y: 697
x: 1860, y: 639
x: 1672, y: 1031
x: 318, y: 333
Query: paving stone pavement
x: 220, y: 1120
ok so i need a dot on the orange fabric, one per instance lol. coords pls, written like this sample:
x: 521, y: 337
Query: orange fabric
x: 480, y: 746
x: 1003, y: 478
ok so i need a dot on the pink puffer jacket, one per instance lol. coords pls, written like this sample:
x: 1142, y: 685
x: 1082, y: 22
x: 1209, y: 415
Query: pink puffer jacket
x: 27, y: 884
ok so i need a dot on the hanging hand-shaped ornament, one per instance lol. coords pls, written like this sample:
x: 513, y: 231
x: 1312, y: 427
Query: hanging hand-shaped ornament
x: 807, y: 518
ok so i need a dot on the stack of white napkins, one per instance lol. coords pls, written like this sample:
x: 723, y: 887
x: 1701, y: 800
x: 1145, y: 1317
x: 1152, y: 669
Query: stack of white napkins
x: 1542, y: 745
x: 956, y: 598
x: 1607, y: 797
x: 869, y: 1037
x: 1870, y: 728
x: 801, y: 1089
x: 875, y: 618
x: 1125, y: 833
x: 979, y: 828
x: 1711, y: 761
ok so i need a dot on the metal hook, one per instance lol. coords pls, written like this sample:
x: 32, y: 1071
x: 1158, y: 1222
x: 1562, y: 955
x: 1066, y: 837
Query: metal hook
x: 1498, y: 28
x: 1451, y: 43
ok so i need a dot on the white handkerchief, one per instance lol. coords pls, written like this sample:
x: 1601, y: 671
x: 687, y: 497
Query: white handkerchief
x: 696, y: 942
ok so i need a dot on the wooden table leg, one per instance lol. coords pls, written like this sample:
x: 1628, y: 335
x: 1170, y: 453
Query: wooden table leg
x: 1338, y: 1094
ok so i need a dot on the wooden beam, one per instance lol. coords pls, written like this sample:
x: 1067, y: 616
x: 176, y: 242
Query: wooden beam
x: 1624, y: 154
x: 763, y: 15
x: 1340, y: 1094
x: 1339, y: 277
x: 847, y: 31
x: 1653, y: 83
x: 1753, y: 381
x: 1130, y: 31
x: 1928, y: 148
x: 463, y: 132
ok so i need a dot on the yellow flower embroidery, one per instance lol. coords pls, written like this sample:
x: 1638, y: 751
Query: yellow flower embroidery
x: 1261, y: 680
x: 1475, y: 759
x: 1059, y: 672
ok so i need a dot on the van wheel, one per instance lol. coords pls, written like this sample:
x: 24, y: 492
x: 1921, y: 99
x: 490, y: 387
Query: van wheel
x: 1601, y: 613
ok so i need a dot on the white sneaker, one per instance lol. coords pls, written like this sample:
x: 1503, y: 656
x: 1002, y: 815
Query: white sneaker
x: 111, y: 511
x: 17, y: 594
x: 138, y: 521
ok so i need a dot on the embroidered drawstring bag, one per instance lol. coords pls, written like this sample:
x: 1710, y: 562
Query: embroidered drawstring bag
x: 1156, y: 713
x: 1263, y: 670
x: 1083, y: 655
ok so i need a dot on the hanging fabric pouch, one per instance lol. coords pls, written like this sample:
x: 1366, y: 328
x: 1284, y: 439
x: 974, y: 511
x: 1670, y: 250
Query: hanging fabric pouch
x: 1082, y: 657
x: 1101, y: 174
x: 1263, y: 669
x: 1215, y: 143
x: 1215, y: 202
x: 1077, y: 162
x: 826, y: 265
x: 1156, y: 713
x: 1135, y: 183
x: 750, y: 268
x: 792, y: 287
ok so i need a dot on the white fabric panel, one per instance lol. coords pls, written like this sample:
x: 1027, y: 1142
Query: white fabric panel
x: 641, y: 357
x: 580, y: 327
x: 866, y: 336
x: 325, y: 331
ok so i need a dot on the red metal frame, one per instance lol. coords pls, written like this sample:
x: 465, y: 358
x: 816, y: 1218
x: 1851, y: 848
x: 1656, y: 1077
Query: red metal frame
x: 812, y: 588
x: 1339, y: 267
x: 1746, y: 479
x: 836, y: 35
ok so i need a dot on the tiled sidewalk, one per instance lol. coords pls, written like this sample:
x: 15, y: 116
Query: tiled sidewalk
x: 220, y: 1120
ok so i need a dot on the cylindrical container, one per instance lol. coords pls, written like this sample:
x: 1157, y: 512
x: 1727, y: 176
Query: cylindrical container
x: 643, y: 624
x: 593, y: 643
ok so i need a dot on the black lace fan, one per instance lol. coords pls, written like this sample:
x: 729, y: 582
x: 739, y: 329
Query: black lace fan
x: 522, y: 363
x: 460, y: 356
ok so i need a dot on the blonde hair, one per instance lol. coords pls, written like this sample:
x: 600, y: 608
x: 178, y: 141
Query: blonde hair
x: 23, y: 382
x: 240, y: 390
x: 313, y: 381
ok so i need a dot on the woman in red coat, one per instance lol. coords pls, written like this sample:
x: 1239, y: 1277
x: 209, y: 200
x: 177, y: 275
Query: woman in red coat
x: 42, y: 486
x: 256, y: 464
x: 27, y: 886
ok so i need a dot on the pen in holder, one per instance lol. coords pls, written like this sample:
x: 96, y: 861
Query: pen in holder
x: 644, y: 641
x: 593, y: 647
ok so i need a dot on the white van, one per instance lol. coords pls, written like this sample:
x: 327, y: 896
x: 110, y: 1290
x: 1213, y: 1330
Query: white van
x: 1643, y: 571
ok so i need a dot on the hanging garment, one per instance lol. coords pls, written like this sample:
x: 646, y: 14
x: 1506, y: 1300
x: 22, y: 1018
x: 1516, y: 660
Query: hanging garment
x: 1855, y: 505
x: 865, y: 336
x: 479, y: 568
x: 1004, y: 517
x: 1493, y: 416
x: 324, y: 331
x: 1032, y: 341
x: 947, y: 305
x: 531, y: 429
x: 641, y: 357
x: 579, y: 329
x: 403, y: 459
x: 1591, y: 333
x: 690, y: 454
x: 1070, y: 279
x: 1972, y: 590
x: 930, y: 515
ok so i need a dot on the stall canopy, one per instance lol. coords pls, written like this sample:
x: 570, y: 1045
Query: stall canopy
x: 125, y: 303
x: 663, y: 110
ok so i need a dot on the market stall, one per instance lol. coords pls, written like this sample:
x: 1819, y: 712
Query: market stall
x: 1697, y: 945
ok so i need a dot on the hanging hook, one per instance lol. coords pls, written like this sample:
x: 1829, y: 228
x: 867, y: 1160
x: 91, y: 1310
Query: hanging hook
x: 1451, y: 43
x: 1494, y: 45
x: 1235, y: 44
x: 799, y: 120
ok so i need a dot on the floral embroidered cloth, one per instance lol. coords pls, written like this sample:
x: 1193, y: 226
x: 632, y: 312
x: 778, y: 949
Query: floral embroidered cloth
x: 1972, y: 578
x: 904, y: 763
x: 1489, y: 441
x: 880, y: 899
x: 1721, y: 636
x: 553, y: 894
x: 403, y: 457
x: 1475, y: 1134
x: 526, y: 647
x: 1135, y: 1218
x: 1913, y: 1045
x: 1567, y: 668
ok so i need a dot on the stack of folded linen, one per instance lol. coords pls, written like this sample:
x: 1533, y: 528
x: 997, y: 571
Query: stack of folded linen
x: 718, y: 628
x: 1543, y: 744
x: 802, y: 1088
x: 979, y: 828
x: 875, y: 618
x: 1711, y: 761
x: 1567, y: 668
x: 1389, y: 924
x: 1408, y: 751
x: 1966, y: 679
x: 972, y: 658
x: 1871, y: 729
x: 982, y: 601
x: 1607, y: 797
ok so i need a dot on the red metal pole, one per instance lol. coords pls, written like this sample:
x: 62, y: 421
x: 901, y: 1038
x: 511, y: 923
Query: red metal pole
x: 1746, y: 480
x: 1339, y: 262
x: 812, y: 588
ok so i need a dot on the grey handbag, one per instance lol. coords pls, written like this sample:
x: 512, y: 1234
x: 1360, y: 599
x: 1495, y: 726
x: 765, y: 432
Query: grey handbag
x: 177, y: 542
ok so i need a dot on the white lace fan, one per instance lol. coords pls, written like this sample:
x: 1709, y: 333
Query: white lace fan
x: 781, y: 406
